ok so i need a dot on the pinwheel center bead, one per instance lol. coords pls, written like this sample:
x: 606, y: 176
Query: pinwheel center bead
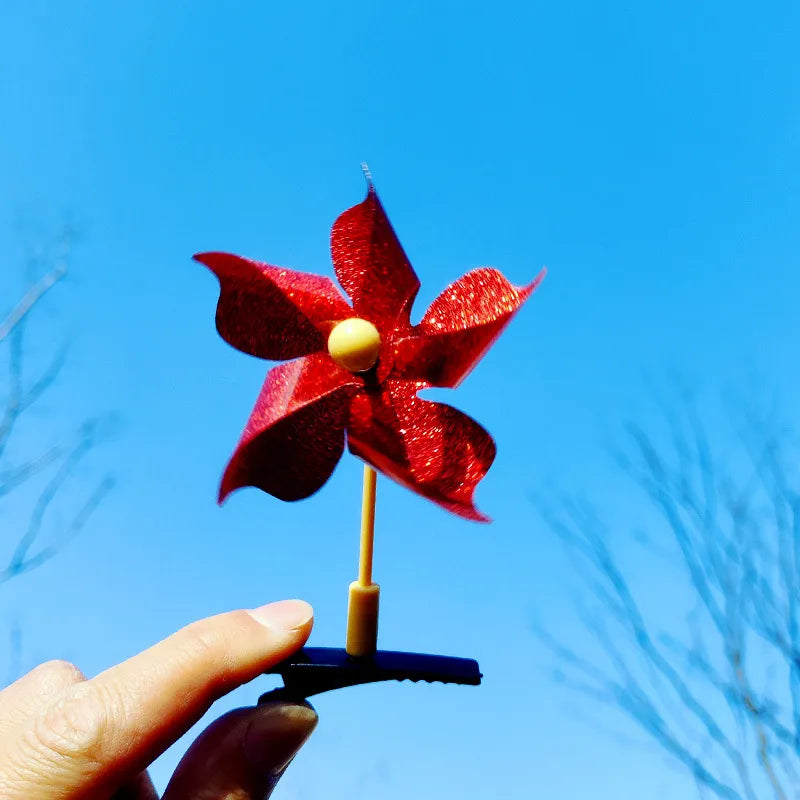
x: 354, y: 344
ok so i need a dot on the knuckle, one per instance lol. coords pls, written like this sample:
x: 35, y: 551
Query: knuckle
x: 75, y: 727
x: 58, y: 674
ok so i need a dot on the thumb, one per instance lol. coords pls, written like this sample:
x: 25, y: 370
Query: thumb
x: 243, y: 754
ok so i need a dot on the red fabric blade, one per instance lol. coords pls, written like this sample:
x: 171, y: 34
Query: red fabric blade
x: 461, y: 324
x: 271, y: 312
x: 431, y: 448
x: 295, y: 434
x: 372, y: 267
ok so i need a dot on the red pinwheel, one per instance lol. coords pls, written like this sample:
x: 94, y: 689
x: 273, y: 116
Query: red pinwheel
x: 355, y: 371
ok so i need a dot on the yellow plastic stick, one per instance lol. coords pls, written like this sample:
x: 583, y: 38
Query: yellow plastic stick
x: 367, y: 526
x: 362, y: 607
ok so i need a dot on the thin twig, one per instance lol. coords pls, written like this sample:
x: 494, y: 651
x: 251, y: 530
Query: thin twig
x: 30, y: 299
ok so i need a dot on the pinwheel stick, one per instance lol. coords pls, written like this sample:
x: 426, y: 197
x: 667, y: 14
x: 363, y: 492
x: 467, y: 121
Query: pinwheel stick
x: 367, y: 526
x: 362, y: 608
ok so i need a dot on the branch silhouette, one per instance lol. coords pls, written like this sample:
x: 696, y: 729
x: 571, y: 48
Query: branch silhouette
x: 48, y: 476
x: 717, y: 684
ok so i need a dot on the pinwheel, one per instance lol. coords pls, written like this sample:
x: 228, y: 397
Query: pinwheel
x: 352, y: 374
x: 356, y: 370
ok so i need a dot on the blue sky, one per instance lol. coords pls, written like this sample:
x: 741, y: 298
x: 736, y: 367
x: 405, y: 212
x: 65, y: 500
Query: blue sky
x: 647, y: 153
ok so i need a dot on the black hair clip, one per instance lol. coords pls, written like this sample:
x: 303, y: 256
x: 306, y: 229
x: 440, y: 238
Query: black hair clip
x: 319, y: 669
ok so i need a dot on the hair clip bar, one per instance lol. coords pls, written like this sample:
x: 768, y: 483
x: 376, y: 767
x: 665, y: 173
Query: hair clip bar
x: 319, y: 669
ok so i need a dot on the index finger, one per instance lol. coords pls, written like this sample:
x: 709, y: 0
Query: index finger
x: 106, y: 729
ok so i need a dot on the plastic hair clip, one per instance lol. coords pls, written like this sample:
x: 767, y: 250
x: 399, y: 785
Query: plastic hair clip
x: 319, y: 669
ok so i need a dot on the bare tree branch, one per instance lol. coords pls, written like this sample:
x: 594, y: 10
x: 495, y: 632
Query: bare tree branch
x: 722, y: 694
x: 29, y: 300
x: 23, y: 561
x: 13, y: 405
x: 13, y: 477
x: 40, y: 540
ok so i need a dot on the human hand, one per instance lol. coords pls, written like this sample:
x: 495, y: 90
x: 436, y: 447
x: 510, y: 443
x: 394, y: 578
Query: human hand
x: 63, y: 737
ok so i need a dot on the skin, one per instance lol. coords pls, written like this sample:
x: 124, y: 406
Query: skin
x: 63, y: 737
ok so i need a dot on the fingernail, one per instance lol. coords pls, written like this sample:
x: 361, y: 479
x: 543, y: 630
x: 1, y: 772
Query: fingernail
x: 276, y: 734
x: 287, y: 615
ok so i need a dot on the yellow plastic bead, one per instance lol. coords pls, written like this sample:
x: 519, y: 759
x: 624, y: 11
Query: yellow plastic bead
x: 354, y: 344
